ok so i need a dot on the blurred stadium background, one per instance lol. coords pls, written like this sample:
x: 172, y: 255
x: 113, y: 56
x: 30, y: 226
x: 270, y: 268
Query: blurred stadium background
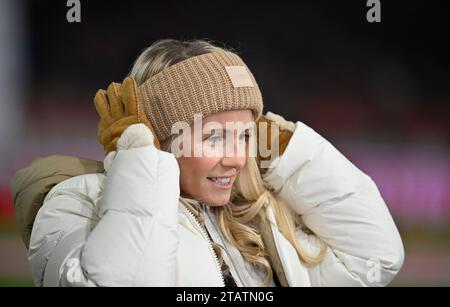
x: 379, y: 92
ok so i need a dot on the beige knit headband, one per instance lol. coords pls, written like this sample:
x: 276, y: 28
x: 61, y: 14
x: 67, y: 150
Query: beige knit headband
x: 206, y: 84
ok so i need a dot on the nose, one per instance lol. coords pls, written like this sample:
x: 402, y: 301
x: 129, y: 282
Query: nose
x: 237, y: 158
x: 235, y: 162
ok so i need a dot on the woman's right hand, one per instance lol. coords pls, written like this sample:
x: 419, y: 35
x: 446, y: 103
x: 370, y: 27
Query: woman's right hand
x: 119, y: 107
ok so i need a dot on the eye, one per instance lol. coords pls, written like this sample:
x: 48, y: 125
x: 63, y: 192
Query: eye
x: 215, y: 138
x: 245, y: 135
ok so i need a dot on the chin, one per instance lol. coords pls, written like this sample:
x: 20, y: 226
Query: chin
x: 217, y: 204
x: 216, y: 201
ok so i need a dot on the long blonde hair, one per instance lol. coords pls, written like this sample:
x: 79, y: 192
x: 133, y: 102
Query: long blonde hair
x: 249, y: 197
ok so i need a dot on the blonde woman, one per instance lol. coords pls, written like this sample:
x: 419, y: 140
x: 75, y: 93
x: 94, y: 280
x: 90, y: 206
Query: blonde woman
x: 165, y: 213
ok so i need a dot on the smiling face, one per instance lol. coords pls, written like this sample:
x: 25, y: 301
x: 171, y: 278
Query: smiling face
x: 208, y: 178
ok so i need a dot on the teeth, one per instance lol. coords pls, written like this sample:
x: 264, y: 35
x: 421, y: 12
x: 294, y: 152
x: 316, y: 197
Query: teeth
x: 223, y: 181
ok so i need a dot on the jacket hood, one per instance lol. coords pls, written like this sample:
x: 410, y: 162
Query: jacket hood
x: 31, y: 184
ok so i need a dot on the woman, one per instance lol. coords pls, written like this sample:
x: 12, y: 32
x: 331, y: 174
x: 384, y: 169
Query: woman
x: 163, y: 216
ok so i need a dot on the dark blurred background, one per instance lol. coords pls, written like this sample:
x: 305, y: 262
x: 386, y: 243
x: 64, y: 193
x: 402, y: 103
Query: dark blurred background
x: 380, y: 92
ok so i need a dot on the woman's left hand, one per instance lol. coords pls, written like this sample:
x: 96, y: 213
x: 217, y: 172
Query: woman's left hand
x: 279, y: 131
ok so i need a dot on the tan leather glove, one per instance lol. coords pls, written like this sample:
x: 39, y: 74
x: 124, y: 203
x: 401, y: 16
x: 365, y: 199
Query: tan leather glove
x: 286, y: 130
x: 119, y: 107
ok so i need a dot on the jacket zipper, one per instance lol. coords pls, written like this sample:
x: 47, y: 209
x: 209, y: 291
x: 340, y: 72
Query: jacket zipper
x: 211, y: 248
x: 223, y: 244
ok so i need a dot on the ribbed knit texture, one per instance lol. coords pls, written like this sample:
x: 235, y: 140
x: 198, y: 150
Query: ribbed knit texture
x: 199, y: 84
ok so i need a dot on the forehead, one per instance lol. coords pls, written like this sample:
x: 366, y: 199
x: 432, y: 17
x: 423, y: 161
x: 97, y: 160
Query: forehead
x: 234, y: 116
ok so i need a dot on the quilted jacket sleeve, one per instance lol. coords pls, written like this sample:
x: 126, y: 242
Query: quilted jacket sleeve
x: 118, y: 230
x: 343, y: 207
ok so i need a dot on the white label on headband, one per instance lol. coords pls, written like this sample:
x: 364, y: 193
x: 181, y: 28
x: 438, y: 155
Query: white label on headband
x: 239, y: 76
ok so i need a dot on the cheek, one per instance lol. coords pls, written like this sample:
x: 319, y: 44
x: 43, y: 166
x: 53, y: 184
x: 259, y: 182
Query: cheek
x: 195, y: 169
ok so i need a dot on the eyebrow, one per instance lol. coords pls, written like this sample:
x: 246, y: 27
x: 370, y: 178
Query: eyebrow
x: 214, y: 131
x: 225, y: 130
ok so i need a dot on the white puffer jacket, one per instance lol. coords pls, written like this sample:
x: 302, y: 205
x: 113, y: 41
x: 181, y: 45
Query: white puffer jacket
x: 128, y: 229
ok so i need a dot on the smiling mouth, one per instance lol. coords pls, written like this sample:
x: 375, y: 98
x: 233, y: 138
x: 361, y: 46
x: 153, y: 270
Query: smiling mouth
x: 223, y: 182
